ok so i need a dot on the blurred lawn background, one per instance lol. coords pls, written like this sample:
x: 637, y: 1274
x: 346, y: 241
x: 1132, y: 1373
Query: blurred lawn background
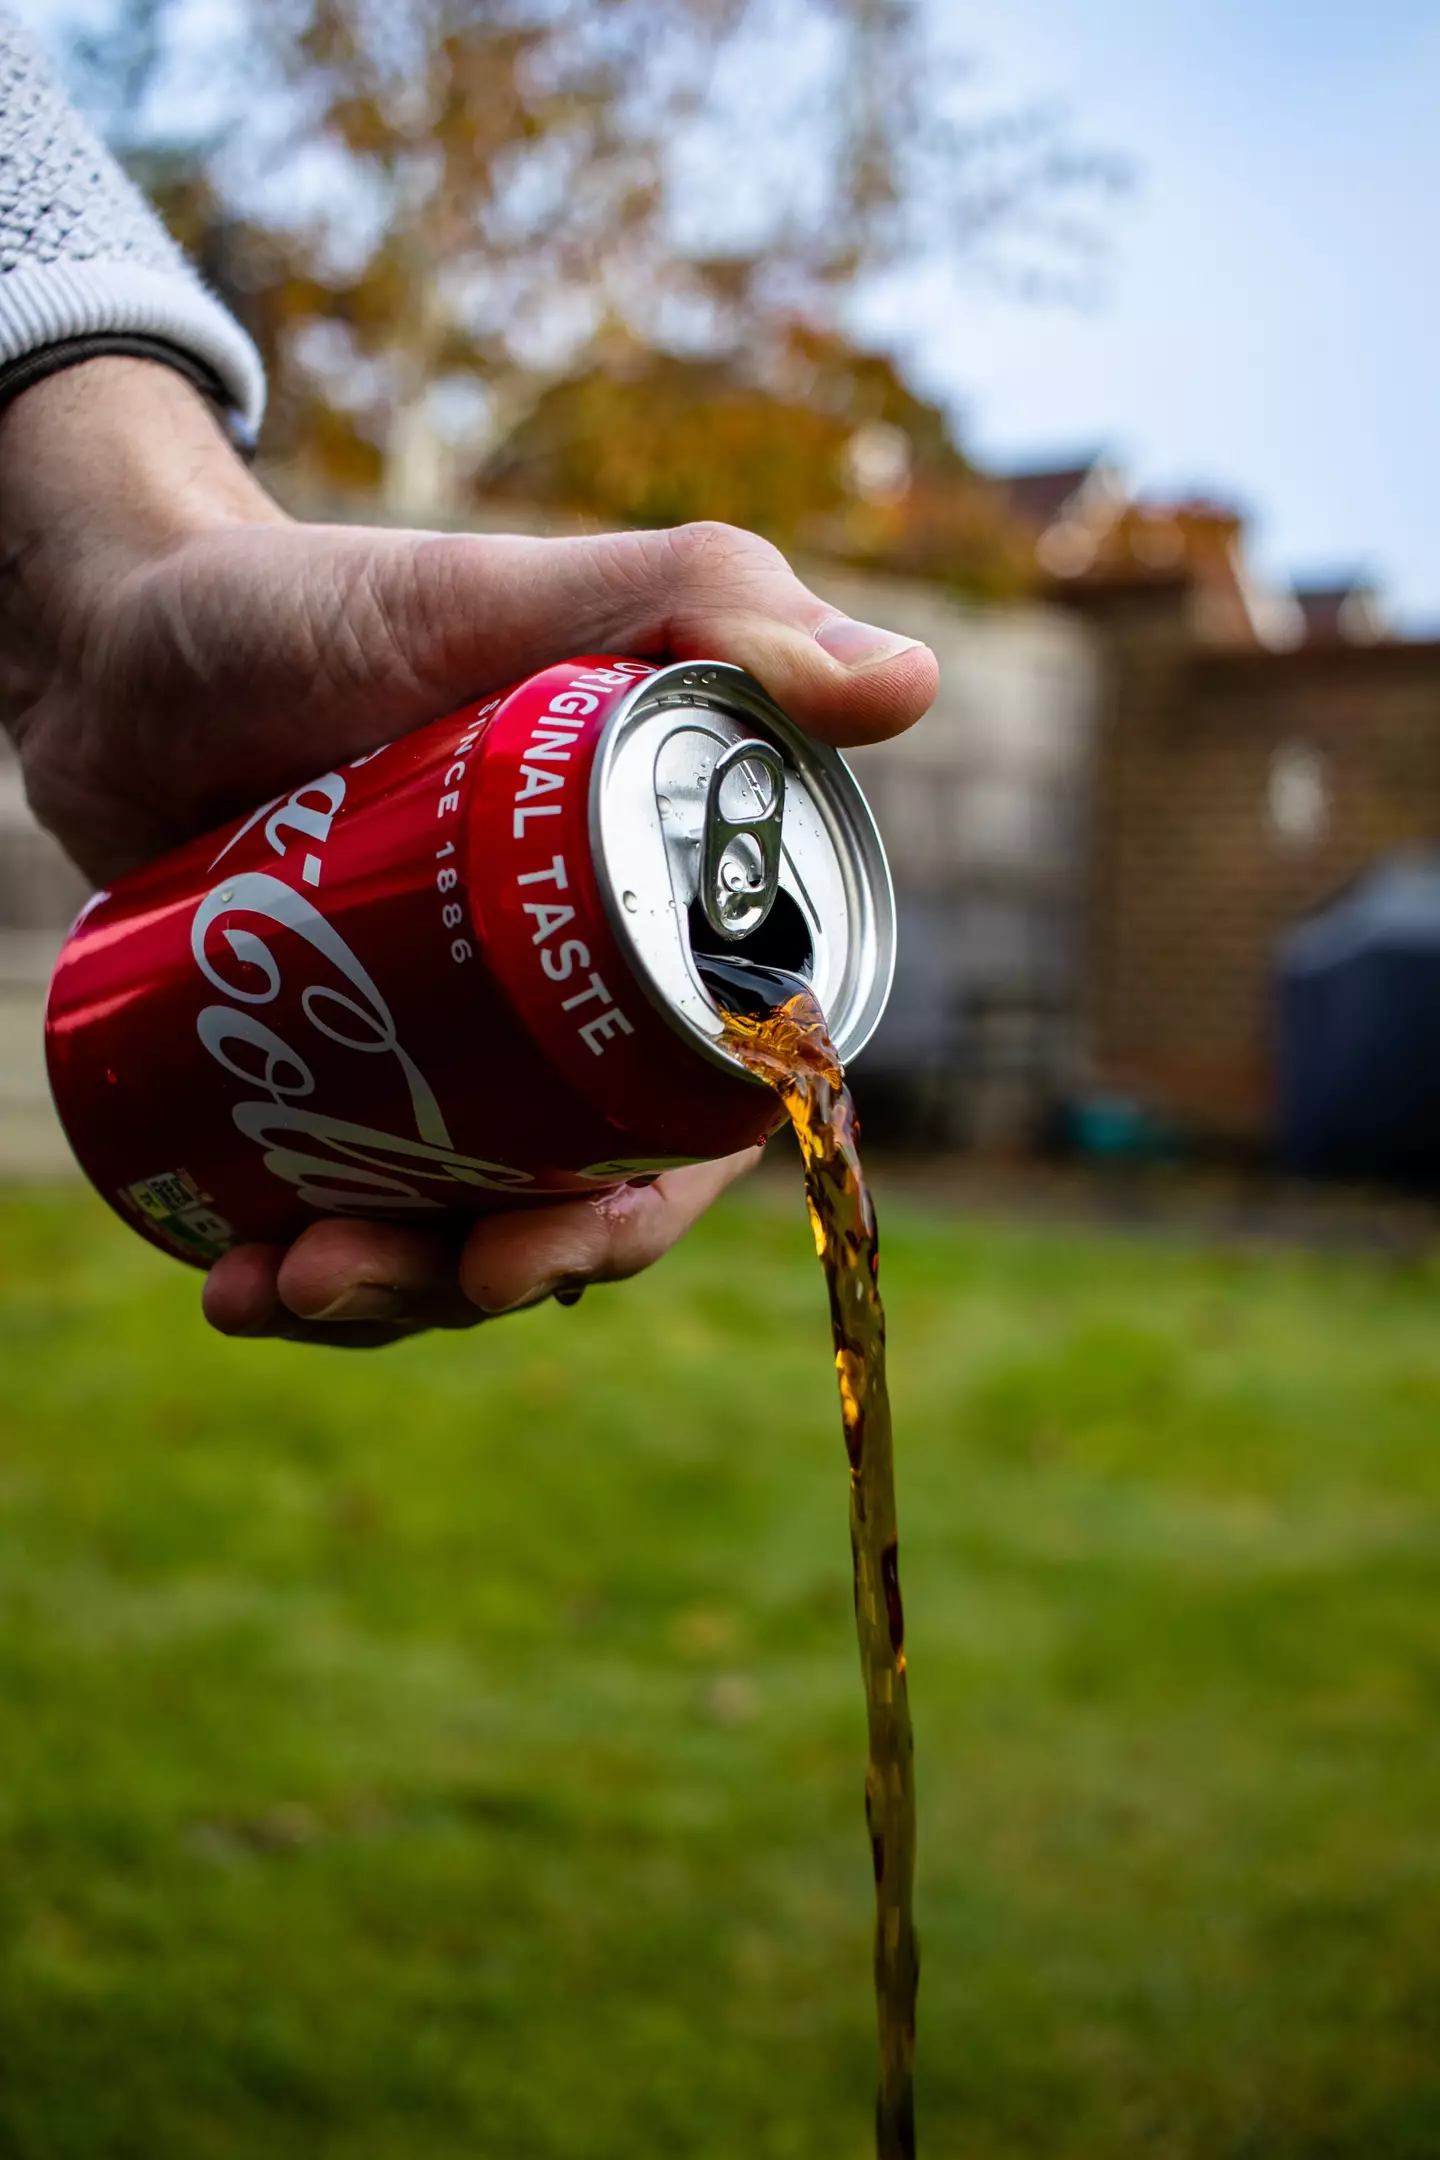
x: 458, y: 1751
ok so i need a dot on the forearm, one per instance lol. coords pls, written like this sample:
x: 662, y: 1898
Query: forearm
x: 102, y: 469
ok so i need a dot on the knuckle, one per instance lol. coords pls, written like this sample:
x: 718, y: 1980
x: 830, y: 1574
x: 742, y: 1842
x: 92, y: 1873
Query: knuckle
x: 709, y: 552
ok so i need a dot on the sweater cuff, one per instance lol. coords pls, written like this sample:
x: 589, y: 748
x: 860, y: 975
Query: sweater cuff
x: 53, y: 303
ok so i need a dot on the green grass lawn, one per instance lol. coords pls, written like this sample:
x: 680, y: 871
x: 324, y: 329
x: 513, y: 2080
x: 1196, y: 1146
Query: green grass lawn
x: 458, y: 1750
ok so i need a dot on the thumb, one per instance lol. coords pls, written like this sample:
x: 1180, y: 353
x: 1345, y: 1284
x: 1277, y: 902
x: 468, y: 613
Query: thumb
x: 476, y: 611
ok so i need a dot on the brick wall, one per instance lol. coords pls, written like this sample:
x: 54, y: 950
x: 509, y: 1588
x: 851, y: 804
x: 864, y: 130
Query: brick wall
x: 1193, y: 878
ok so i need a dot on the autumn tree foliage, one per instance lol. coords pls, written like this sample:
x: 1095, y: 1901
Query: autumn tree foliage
x: 476, y: 237
x: 824, y: 448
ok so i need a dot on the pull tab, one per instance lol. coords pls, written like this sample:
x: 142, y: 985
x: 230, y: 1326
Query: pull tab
x: 740, y: 847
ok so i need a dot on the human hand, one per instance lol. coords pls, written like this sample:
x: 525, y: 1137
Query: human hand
x: 173, y: 650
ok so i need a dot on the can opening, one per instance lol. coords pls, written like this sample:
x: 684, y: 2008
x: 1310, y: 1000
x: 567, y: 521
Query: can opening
x: 781, y: 941
x: 741, y: 986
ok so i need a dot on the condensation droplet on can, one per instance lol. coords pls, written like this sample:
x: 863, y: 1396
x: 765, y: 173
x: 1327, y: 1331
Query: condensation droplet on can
x: 630, y: 902
x: 662, y: 804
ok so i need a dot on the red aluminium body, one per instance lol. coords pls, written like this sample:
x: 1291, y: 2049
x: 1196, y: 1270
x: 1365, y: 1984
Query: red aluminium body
x: 394, y: 993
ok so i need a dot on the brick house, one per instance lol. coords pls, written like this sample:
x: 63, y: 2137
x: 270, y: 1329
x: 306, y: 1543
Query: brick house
x: 1235, y: 789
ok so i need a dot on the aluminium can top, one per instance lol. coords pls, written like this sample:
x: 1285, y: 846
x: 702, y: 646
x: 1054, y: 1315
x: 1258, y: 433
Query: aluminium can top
x: 717, y: 825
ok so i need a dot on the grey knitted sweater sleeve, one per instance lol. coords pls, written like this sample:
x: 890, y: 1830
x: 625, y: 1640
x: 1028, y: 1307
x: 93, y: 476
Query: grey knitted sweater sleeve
x: 82, y: 252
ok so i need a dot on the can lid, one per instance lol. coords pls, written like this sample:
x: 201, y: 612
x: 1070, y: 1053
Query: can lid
x: 718, y: 826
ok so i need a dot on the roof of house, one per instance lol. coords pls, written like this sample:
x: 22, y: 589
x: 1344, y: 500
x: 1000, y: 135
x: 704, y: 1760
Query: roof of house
x: 1039, y: 496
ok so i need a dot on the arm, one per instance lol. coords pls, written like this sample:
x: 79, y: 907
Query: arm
x: 174, y: 649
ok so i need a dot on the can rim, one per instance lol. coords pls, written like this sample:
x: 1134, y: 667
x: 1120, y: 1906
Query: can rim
x: 841, y: 805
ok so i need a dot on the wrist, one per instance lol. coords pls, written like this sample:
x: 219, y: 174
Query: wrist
x: 103, y: 468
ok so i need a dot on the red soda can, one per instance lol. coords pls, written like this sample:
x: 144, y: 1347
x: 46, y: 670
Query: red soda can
x: 463, y: 972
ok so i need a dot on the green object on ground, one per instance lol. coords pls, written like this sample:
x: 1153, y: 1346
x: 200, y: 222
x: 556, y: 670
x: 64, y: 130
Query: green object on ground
x: 456, y: 1751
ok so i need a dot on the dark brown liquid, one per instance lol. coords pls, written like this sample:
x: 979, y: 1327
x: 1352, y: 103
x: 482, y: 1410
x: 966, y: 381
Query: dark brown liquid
x: 789, y: 1047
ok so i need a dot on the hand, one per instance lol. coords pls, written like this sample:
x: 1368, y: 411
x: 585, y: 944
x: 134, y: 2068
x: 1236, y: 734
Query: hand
x: 173, y: 650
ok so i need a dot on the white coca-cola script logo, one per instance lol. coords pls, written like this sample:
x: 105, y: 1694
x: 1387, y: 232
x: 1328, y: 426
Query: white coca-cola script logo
x: 362, y: 1170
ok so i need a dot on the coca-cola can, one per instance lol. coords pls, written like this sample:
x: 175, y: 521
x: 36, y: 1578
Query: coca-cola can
x: 463, y: 972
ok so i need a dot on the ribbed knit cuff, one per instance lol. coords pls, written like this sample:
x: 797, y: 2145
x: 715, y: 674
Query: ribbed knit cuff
x: 54, y: 303
x: 18, y: 376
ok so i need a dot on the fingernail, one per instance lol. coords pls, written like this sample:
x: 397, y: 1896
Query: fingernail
x: 363, y: 1301
x: 860, y: 644
x: 536, y: 1295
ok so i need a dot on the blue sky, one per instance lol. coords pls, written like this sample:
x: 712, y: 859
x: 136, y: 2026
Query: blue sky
x: 1272, y: 314
x: 1272, y: 318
